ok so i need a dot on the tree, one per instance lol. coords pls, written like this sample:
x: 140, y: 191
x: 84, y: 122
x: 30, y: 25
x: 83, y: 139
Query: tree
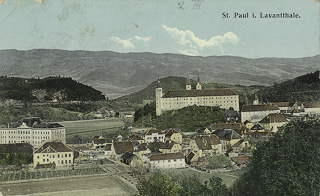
x: 158, y: 185
x: 288, y: 164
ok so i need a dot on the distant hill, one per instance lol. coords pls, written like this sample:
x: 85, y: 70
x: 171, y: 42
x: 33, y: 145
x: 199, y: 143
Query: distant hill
x: 179, y: 83
x: 302, y: 88
x: 47, y: 89
x: 118, y: 74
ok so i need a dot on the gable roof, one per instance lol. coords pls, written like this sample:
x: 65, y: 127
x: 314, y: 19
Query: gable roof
x: 52, y: 147
x: 122, y: 147
x: 227, y: 134
x: 128, y: 156
x: 156, y: 157
x: 190, y: 155
x: 241, y: 159
x: 205, y: 142
x: 171, y: 132
x: 200, y: 93
x: 167, y: 145
x: 235, y: 126
x: 261, y: 107
x: 238, y: 143
x: 274, y: 118
x: 135, y: 137
x: 143, y: 146
x: 257, y: 127
x: 99, y: 140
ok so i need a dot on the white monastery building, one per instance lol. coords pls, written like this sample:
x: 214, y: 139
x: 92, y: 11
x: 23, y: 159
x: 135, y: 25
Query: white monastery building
x: 171, y: 100
x: 32, y: 131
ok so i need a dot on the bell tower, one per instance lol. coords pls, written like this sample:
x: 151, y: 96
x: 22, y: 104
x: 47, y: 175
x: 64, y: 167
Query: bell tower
x: 158, y: 98
x: 188, y: 85
x: 198, y: 86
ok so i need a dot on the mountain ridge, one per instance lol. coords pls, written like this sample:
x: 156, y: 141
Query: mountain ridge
x: 118, y: 74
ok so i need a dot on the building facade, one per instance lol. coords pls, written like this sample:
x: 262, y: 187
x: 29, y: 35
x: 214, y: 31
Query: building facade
x: 222, y: 97
x: 53, y: 154
x: 32, y: 131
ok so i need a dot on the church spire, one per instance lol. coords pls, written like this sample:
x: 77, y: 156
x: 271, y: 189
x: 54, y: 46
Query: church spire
x: 198, y: 87
x: 188, y: 85
x: 158, y: 83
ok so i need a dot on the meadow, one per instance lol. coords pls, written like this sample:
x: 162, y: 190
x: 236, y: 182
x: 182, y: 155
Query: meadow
x: 228, y: 178
x: 85, y: 130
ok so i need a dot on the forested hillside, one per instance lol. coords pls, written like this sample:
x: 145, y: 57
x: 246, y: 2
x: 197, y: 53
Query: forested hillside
x: 47, y: 89
x: 302, y: 88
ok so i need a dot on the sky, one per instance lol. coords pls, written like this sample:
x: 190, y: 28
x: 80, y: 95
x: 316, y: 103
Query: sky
x: 189, y: 27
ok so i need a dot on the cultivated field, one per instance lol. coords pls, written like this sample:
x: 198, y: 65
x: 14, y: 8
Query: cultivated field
x: 87, y: 129
x: 228, y: 178
x: 80, y: 186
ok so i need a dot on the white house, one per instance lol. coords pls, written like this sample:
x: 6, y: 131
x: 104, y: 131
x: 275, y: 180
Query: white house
x: 255, y: 113
x: 153, y: 135
x: 32, y: 131
x: 165, y: 161
x: 53, y: 154
x: 223, y: 97
x: 206, y: 145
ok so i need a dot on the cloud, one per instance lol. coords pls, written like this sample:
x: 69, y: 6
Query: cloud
x: 128, y: 43
x: 190, y: 43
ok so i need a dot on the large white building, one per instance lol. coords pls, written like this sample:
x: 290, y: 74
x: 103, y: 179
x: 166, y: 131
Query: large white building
x: 255, y: 113
x: 171, y: 100
x: 32, y: 131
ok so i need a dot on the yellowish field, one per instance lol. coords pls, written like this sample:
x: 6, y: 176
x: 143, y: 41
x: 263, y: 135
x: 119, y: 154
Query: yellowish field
x: 90, y: 128
x: 80, y: 186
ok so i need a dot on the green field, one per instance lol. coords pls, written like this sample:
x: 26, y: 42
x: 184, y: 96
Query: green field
x: 228, y: 178
x: 87, y: 129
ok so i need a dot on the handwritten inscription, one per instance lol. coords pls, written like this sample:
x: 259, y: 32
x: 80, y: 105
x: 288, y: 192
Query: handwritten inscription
x: 195, y: 4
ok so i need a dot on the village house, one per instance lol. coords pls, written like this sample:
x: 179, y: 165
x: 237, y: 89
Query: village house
x: 165, y: 161
x: 170, y: 147
x: 136, y: 138
x: 203, y: 131
x: 255, y: 113
x: 206, y: 145
x: 194, y: 160
x: 119, y: 148
x: 32, y: 131
x: 173, y: 135
x: 312, y: 107
x: 240, y: 146
x: 108, y: 150
x: 228, y: 137
x: 99, y: 142
x: 131, y: 159
x: 273, y: 121
x: 154, y: 135
x: 219, y: 97
x: 240, y: 128
x: 53, y: 154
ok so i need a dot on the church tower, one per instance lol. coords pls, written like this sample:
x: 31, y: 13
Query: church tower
x: 188, y: 85
x: 158, y: 98
x: 198, y: 86
x: 256, y: 100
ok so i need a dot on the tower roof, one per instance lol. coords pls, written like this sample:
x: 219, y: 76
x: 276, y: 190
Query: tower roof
x: 158, y: 83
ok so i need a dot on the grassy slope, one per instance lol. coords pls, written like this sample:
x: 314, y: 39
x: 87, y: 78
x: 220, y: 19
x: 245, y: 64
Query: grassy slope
x: 187, y: 119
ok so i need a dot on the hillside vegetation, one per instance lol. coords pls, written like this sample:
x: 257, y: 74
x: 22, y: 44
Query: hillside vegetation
x: 47, y: 89
x: 187, y: 119
x: 302, y: 88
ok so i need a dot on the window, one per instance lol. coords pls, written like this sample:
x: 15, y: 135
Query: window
x: 44, y: 160
x: 37, y: 157
x: 58, y: 155
x: 69, y: 155
x: 69, y: 161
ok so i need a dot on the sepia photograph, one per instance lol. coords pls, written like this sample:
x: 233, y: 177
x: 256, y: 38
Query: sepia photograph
x: 160, y: 97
